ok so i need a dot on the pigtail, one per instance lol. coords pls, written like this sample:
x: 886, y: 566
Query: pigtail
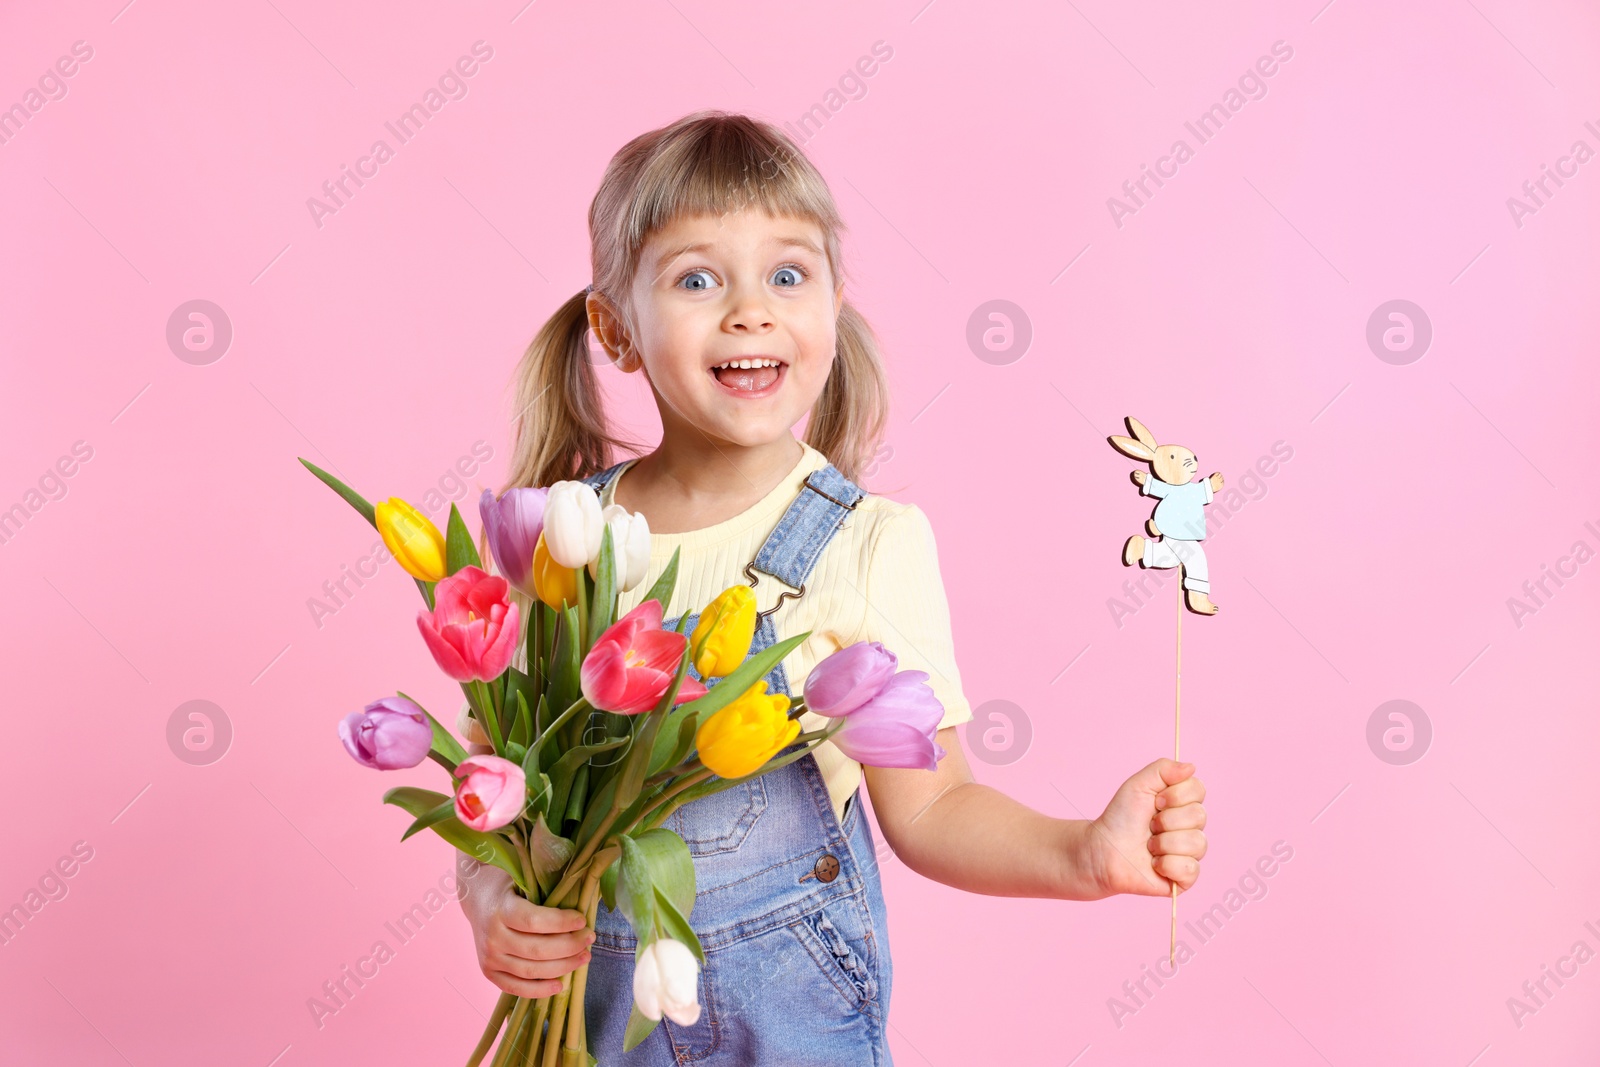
x: 848, y: 419
x: 561, y: 428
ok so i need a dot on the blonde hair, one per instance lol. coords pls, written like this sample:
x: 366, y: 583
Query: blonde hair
x: 708, y: 162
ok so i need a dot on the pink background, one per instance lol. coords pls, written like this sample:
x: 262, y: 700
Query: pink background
x: 1229, y: 313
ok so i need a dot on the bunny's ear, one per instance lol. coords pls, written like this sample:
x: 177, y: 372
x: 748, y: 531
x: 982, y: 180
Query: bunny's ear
x: 1138, y: 430
x: 1129, y: 447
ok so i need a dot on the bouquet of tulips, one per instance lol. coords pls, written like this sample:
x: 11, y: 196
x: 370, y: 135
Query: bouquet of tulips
x: 604, y: 735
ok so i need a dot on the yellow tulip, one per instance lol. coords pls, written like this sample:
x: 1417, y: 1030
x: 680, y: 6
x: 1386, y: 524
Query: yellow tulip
x: 412, y: 538
x: 726, y: 628
x: 554, y: 583
x: 737, y: 740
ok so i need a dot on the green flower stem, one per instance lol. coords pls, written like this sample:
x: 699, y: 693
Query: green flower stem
x: 602, y: 859
x: 497, y: 1018
x: 561, y: 720
x: 654, y: 817
x: 519, y: 840
x: 582, y: 636
x: 540, y: 1014
x: 478, y: 696
x: 510, y: 1043
x: 688, y: 766
x: 534, y: 645
x: 587, y: 905
x: 558, y: 1019
x: 619, y: 803
x: 665, y: 803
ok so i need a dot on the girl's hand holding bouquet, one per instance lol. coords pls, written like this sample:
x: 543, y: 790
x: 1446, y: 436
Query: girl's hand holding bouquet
x: 594, y: 742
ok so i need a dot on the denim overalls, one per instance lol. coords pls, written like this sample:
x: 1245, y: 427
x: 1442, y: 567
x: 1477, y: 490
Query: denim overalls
x: 788, y: 904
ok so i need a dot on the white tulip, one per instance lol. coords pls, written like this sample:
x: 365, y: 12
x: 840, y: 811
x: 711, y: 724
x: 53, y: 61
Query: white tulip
x: 665, y: 982
x: 572, y: 524
x: 630, y: 537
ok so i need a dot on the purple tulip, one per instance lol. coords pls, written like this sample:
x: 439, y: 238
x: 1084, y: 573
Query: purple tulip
x: 387, y: 734
x: 512, y: 526
x: 897, y: 727
x: 848, y: 678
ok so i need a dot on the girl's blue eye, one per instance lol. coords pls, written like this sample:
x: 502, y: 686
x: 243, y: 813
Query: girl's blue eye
x: 688, y: 277
x: 794, y: 270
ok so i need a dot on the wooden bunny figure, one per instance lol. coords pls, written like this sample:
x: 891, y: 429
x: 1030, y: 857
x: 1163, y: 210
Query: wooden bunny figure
x: 1179, y: 524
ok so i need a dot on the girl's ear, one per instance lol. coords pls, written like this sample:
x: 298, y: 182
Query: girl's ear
x: 1129, y: 447
x: 607, y: 327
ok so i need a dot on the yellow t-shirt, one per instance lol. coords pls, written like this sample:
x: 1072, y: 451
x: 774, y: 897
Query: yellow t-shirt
x: 877, y: 580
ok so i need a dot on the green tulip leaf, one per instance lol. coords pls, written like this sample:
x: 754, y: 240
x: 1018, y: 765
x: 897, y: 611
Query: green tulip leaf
x: 727, y: 690
x: 605, y: 587
x: 355, y: 499
x: 636, y: 896
x: 571, y: 760
x: 671, y: 750
x: 563, y: 684
x: 485, y: 847
x: 671, y: 866
x: 662, y: 590
x: 608, y: 885
x: 518, y: 684
x: 578, y: 795
x: 539, y: 794
x: 459, y: 551
x: 548, y: 854
x: 676, y: 735
x: 675, y: 926
x: 428, y: 818
x: 413, y: 799
x: 599, y: 807
x: 530, y: 759
x: 717, y: 785
x: 639, y: 1027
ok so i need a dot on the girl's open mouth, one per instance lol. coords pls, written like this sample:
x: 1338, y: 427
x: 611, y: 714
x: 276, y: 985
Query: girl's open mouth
x: 751, y: 378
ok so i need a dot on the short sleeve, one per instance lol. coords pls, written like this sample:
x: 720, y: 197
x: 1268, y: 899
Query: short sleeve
x: 1149, y: 487
x: 907, y: 610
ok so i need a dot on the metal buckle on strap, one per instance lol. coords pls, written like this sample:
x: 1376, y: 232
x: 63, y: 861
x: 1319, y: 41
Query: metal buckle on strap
x: 785, y: 594
x: 819, y: 492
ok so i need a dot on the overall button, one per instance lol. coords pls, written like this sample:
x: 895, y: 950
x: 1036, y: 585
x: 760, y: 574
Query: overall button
x: 827, y: 868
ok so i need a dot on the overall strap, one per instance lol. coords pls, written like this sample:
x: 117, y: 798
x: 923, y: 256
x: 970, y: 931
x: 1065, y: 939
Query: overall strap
x: 791, y: 550
x: 599, y: 481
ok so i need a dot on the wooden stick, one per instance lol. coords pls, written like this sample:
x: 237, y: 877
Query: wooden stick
x: 1177, y: 720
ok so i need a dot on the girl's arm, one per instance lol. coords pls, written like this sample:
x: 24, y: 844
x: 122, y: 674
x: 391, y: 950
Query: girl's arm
x: 948, y: 827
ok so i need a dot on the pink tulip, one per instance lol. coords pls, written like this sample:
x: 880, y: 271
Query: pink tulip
x: 848, y: 678
x: 473, y: 628
x: 633, y: 663
x: 387, y: 734
x: 492, y: 795
x: 897, y: 727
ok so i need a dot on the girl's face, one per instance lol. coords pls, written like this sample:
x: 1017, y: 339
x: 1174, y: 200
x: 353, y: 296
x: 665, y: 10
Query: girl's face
x: 745, y: 286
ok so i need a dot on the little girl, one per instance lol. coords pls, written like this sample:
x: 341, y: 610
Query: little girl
x: 717, y: 275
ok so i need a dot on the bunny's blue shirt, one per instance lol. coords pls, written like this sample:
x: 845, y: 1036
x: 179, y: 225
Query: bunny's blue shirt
x: 1181, y: 513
